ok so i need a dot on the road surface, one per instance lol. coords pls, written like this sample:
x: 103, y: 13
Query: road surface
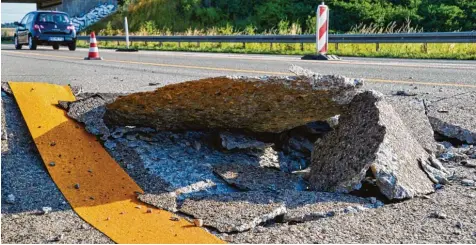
x: 127, y: 72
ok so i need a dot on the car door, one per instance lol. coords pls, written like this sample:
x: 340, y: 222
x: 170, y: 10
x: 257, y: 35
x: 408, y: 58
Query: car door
x: 22, y: 32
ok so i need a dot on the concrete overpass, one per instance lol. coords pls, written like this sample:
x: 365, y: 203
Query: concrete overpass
x: 83, y: 12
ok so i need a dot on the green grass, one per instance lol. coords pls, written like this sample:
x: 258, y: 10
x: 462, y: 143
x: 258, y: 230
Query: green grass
x: 461, y: 51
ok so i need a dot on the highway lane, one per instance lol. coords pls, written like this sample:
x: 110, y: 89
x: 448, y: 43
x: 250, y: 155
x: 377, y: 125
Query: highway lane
x: 134, y: 71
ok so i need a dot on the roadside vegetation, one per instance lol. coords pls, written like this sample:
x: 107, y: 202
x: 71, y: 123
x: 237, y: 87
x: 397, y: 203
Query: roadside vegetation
x: 417, y: 50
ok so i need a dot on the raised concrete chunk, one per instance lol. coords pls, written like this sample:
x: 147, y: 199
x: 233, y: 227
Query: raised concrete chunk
x: 259, y: 104
x: 247, y: 177
x: 454, y: 119
x: 372, y: 136
x: 239, y: 211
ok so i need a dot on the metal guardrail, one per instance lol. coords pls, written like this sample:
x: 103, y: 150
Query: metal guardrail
x: 429, y: 37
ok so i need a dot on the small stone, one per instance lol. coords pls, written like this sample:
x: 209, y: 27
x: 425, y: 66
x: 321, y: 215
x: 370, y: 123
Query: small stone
x: 149, y: 210
x: 154, y: 84
x: 92, y: 198
x: 174, y: 218
x: 405, y: 93
x: 122, y: 212
x: 468, y: 163
x: 130, y: 166
x: 373, y: 200
x: 459, y: 225
x: 107, y: 219
x: 438, y: 215
x: 53, y: 143
x: 84, y: 226
x: 198, y: 222
x: 58, y: 238
x: 76, y: 186
x: 138, y: 206
x: 46, y: 210
x: 52, y: 164
x: 467, y: 182
x: 196, y: 145
x: 15, y: 216
x: 10, y: 199
x: 89, y: 170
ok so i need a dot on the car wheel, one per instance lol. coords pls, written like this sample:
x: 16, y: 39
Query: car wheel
x: 55, y: 46
x: 72, y: 46
x: 31, y: 43
x: 17, y: 45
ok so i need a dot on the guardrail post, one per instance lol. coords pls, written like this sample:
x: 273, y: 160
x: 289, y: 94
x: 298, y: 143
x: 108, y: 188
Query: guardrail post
x: 126, y: 27
x: 425, y: 48
x: 302, y: 46
x: 198, y: 44
x: 270, y: 46
x: 377, y: 47
x: 179, y: 44
x: 337, y: 46
x: 244, y: 45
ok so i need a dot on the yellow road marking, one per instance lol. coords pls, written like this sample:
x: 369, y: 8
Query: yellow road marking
x: 374, y: 80
x: 105, y: 197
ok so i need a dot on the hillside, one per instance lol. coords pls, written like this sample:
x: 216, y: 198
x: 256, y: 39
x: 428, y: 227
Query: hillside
x: 261, y: 15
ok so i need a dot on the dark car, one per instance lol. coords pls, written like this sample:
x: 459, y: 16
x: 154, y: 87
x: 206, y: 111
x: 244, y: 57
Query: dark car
x: 45, y: 28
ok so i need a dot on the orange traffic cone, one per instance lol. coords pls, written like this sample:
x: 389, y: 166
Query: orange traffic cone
x: 93, y: 48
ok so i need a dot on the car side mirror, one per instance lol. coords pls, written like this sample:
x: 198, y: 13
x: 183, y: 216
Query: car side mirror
x: 16, y: 23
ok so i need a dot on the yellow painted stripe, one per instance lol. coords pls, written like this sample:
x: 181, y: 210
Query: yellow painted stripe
x: 374, y: 80
x: 105, y: 197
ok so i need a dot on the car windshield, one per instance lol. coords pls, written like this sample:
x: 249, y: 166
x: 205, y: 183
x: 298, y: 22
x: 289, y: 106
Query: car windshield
x: 54, y: 18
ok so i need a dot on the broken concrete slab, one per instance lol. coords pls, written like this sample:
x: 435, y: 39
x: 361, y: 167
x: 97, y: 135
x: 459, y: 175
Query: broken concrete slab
x: 310, y: 205
x: 370, y: 136
x: 246, y: 177
x: 455, y: 117
x: 413, y: 114
x: 90, y: 110
x: 165, y: 201
x: 259, y: 104
x: 233, y: 141
x: 239, y: 211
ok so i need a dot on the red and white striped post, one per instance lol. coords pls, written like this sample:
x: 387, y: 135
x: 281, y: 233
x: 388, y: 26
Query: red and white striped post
x: 322, y: 36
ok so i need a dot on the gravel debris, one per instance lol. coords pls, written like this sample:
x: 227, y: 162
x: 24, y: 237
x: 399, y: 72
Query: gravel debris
x: 438, y: 215
x: 76, y: 186
x: 198, y: 222
x: 46, y: 210
x: 467, y: 182
x: 11, y: 199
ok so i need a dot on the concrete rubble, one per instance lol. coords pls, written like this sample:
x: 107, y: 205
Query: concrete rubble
x: 257, y: 178
x: 452, y: 119
x: 372, y: 139
x: 239, y: 211
x: 412, y: 112
x: 166, y: 201
x: 90, y: 110
x: 259, y: 104
x: 231, y: 141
